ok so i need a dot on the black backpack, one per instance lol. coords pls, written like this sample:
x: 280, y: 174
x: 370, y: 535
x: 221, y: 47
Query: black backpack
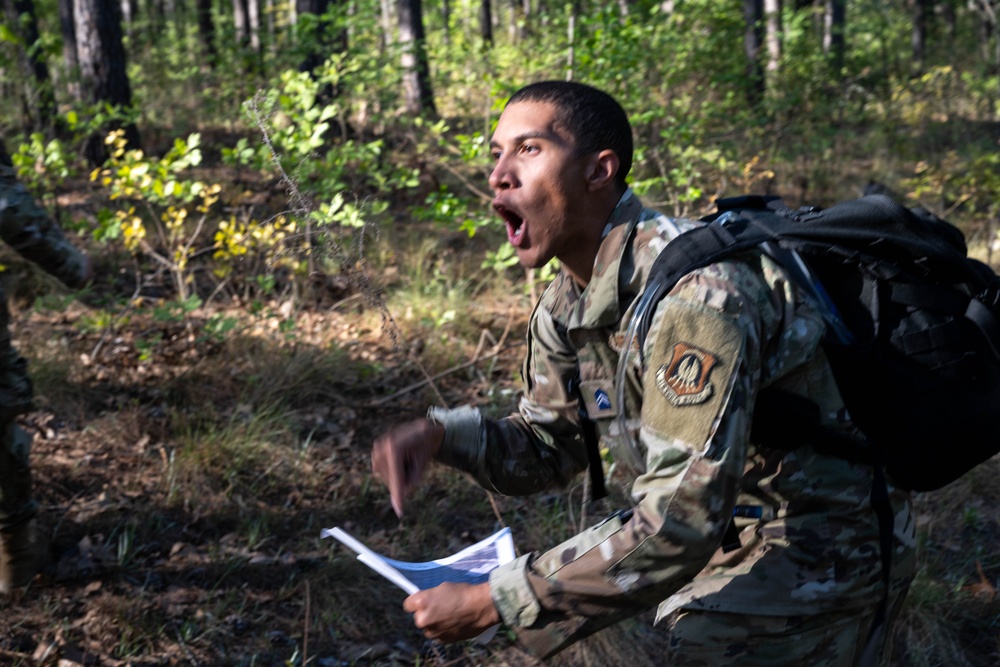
x: 914, y: 328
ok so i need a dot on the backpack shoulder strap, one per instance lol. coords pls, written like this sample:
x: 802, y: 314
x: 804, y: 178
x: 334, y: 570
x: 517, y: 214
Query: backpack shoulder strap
x: 732, y: 230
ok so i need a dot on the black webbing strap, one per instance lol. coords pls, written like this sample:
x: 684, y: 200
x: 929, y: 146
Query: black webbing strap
x: 883, y: 511
x: 695, y: 249
x: 596, y: 467
x: 986, y: 320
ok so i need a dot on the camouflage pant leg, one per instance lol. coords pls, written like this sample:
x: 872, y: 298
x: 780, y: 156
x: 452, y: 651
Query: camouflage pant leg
x: 708, y: 639
x: 16, y: 504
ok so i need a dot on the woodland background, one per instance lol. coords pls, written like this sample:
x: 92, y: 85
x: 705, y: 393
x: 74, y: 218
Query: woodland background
x: 288, y: 212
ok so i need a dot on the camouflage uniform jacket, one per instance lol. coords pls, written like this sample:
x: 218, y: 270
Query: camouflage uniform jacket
x: 30, y: 231
x: 808, y: 536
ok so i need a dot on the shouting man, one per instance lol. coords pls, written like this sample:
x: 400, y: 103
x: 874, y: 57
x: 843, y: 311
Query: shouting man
x: 756, y: 555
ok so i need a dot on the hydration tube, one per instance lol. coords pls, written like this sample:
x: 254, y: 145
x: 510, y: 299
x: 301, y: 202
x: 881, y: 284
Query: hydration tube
x: 625, y: 444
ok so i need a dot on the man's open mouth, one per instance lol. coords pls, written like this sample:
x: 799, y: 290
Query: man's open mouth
x: 514, y: 224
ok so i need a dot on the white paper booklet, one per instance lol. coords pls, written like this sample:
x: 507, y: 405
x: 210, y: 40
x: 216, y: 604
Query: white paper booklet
x: 471, y: 565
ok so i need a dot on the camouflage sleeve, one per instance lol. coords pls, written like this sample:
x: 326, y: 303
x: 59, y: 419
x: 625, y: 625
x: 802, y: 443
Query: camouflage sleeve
x: 30, y: 231
x: 702, y: 369
x: 539, y: 446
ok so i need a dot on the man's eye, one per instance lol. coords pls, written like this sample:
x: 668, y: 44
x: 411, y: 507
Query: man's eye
x: 496, y: 155
x: 529, y: 148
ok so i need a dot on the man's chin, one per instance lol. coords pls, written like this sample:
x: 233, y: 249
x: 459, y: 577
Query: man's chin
x: 529, y: 260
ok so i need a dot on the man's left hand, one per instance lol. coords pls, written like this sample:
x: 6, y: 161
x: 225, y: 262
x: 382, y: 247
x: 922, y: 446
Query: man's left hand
x: 452, y: 612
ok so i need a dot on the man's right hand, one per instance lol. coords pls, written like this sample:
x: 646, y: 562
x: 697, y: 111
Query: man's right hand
x: 400, y: 456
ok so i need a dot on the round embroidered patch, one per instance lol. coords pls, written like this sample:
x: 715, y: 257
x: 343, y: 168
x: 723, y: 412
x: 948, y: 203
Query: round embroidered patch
x: 684, y: 378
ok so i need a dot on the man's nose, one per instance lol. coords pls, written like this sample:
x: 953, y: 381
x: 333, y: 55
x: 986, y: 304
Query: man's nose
x: 501, y: 177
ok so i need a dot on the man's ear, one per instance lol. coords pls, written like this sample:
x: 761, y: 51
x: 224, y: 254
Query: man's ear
x: 603, y: 169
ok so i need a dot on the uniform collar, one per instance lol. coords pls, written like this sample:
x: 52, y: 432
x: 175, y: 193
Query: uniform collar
x: 597, y: 305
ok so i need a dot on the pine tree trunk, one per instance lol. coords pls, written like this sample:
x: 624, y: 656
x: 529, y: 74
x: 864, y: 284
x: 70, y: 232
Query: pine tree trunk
x: 772, y: 21
x: 322, y: 42
x: 67, y: 26
x: 387, y: 40
x: 102, y: 65
x: 835, y: 18
x: 446, y: 20
x: 486, y: 23
x: 753, y: 41
x: 206, y: 32
x: 922, y: 12
x: 416, y: 68
x: 39, y: 99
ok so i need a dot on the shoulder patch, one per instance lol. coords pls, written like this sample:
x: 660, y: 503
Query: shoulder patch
x: 684, y: 379
x: 694, y: 353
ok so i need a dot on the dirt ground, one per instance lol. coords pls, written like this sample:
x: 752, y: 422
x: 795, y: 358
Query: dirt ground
x: 184, y: 494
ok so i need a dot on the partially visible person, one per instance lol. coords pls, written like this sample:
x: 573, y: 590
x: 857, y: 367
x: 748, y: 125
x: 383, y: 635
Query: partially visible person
x: 26, y: 228
x: 757, y: 553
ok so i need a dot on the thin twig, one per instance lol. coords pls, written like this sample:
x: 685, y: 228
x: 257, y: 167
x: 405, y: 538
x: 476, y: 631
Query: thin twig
x: 453, y: 369
x: 496, y: 508
x: 130, y: 304
x: 348, y: 299
x: 467, y: 183
x: 305, y: 633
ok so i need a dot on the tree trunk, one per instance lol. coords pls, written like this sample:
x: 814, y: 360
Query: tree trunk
x: 753, y: 39
x: 772, y: 20
x: 246, y: 19
x: 130, y: 9
x: 922, y: 13
x: 154, y: 17
x: 39, y: 100
x: 486, y: 23
x: 386, y: 23
x: 571, y: 42
x: 950, y: 18
x: 416, y: 68
x: 270, y: 32
x: 206, y: 32
x: 253, y: 21
x: 322, y: 42
x: 318, y: 40
x: 241, y: 22
x: 102, y: 65
x: 834, y: 23
x: 67, y: 26
x: 446, y: 21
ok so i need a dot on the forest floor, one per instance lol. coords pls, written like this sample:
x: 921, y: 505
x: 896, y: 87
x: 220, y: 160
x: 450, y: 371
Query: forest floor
x: 185, y: 471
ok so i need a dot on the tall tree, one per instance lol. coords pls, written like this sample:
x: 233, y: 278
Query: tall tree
x: 101, y: 55
x: 241, y: 22
x: 834, y: 24
x: 253, y: 20
x: 772, y: 21
x: 416, y: 67
x: 446, y: 21
x: 38, y: 99
x: 246, y: 19
x: 67, y: 26
x: 206, y: 32
x: 922, y: 13
x: 386, y: 12
x: 321, y: 41
x: 317, y: 41
x: 486, y: 22
x: 753, y: 40
x: 989, y: 31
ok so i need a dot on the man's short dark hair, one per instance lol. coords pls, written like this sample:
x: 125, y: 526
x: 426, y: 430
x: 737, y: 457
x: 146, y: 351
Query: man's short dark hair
x: 590, y: 115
